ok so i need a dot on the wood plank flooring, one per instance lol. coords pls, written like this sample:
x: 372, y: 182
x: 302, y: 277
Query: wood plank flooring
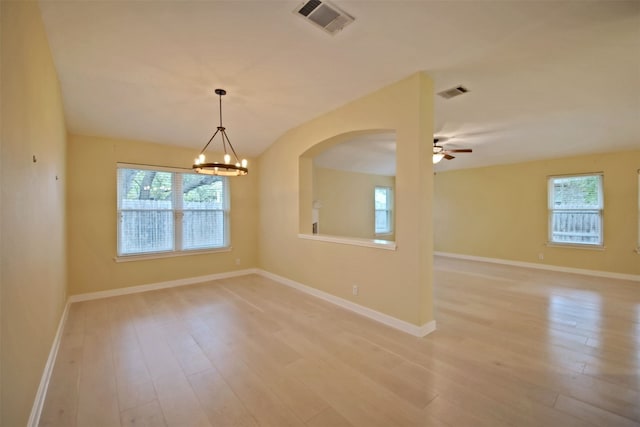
x: 514, y: 347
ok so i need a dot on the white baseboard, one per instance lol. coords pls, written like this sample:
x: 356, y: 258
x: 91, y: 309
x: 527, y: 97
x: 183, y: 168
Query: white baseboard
x: 597, y: 273
x: 418, y: 331
x: 38, y: 403
x: 410, y: 328
x: 159, y: 285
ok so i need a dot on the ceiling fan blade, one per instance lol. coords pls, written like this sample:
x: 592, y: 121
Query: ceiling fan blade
x: 460, y: 150
x: 448, y: 156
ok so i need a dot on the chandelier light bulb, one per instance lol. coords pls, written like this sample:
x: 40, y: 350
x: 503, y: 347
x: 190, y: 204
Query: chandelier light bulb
x: 227, y: 158
x: 201, y: 158
x: 244, y: 163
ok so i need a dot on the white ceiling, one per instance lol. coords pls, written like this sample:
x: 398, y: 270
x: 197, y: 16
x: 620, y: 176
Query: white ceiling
x: 372, y: 153
x: 546, y: 79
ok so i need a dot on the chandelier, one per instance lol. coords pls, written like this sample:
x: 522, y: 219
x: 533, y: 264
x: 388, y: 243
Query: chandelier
x: 229, y: 166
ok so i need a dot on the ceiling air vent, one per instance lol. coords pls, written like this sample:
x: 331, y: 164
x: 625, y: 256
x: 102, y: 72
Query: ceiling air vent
x: 455, y: 91
x: 325, y: 15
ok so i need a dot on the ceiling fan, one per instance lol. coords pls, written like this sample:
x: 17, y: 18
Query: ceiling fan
x: 439, y: 152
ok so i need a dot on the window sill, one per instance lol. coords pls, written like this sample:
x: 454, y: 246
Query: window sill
x: 390, y: 233
x: 159, y: 255
x: 354, y: 241
x: 575, y: 246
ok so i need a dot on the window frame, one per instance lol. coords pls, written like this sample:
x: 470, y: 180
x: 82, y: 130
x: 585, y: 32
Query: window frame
x: 551, y: 210
x: 177, y: 211
x: 388, y: 210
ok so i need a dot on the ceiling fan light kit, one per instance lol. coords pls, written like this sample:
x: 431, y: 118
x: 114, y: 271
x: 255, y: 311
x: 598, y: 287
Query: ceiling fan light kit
x: 439, y: 152
x: 227, y: 167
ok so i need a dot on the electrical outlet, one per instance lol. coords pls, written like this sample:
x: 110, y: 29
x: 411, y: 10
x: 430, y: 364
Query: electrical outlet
x: 540, y: 256
x: 237, y: 261
x: 355, y: 289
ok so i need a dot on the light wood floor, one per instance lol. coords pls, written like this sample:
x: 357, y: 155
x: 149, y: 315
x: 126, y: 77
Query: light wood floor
x: 513, y: 347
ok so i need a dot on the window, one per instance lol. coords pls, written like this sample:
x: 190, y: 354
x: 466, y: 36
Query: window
x: 575, y: 209
x: 164, y: 210
x: 383, y: 197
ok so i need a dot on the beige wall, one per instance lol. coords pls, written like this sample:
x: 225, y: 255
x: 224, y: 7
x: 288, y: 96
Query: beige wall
x: 1, y: 258
x: 93, y: 227
x: 33, y: 255
x: 397, y: 283
x: 501, y: 212
x: 347, y: 202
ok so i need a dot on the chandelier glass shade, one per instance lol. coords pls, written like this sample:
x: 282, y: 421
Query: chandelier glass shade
x: 230, y: 166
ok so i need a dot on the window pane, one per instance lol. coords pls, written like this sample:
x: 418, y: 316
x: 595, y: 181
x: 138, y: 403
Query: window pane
x: 203, y: 229
x: 203, y: 222
x: 383, y: 221
x: 144, y: 189
x: 202, y: 192
x: 146, y: 217
x: 577, y: 192
x: 146, y: 231
x: 381, y: 198
x: 576, y: 227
